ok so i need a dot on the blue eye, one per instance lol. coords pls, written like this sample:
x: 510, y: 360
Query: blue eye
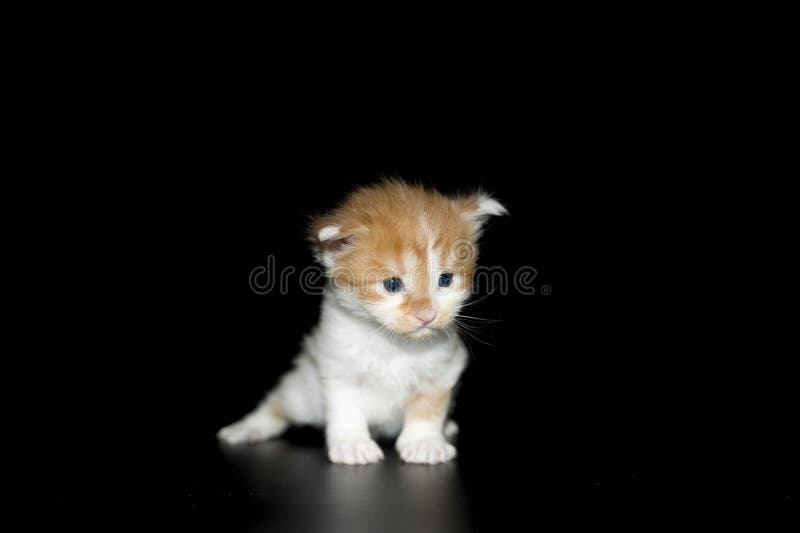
x: 393, y: 285
x: 445, y: 280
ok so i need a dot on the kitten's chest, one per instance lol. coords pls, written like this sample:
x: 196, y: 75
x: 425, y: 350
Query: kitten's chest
x: 394, y: 372
x: 386, y: 386
x: 361, y: 353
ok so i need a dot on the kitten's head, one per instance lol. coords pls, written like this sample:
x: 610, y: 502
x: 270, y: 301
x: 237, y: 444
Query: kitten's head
x: 402, y: 254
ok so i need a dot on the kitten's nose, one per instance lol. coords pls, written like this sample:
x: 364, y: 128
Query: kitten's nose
x: 425, y: 316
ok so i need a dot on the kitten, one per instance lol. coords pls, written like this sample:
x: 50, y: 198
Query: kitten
x: 383, y: 359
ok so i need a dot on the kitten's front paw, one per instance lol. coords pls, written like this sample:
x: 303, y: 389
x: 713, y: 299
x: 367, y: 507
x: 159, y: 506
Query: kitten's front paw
x: 355, y: 452
x: 427, y: 451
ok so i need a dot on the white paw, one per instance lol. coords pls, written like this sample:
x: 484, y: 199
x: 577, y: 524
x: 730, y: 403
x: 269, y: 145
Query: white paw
x: 427, y: 451
x: 355, y: 452
x: 249, y: 430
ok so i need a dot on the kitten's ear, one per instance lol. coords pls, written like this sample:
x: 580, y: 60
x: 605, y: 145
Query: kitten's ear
x: 328, y: 241
x: 477, y: 208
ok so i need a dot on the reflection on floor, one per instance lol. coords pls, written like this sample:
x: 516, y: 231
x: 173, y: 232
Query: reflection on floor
x: 301, y: 491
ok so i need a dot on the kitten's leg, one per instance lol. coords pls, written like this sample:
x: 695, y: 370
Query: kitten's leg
x: 296, y: 400
x: 422, y: 439
x: 346, y: 432
x: 266, y: 421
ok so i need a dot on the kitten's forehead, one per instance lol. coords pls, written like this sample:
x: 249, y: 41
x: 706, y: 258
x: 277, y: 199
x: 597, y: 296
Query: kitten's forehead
x: 417, y: 238
x: 401, y: 226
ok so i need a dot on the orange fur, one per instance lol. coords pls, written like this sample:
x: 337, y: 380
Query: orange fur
x: 427, y: 407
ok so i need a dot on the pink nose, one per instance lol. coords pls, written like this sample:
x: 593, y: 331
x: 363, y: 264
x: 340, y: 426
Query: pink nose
x: 425, y: 316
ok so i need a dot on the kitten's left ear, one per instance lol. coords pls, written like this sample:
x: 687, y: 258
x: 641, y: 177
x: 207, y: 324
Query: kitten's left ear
x: 478, y: 208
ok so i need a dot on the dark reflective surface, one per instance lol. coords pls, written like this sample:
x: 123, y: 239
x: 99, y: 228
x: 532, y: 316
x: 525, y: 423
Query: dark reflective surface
x: 299, y: 490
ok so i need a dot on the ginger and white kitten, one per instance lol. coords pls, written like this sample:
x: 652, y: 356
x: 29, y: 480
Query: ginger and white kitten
x: 383, y: 359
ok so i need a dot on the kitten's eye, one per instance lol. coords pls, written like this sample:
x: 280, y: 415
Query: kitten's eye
x: 445, y: 280
x: 393, y: 285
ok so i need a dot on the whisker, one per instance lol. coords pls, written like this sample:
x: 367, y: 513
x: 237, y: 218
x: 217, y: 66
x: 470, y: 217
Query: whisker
x: 482, y: 298
x: 451, y: 337
x: 479, y: 327
x: 465, y: 331
x: 480, y: 319
x: 457, y: 336
x: 470, y: 327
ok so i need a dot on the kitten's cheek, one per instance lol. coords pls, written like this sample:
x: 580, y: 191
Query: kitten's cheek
x: 410, y: 325
x: 442, y: 321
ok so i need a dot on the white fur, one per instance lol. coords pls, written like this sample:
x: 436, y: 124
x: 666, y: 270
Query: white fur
x: 353, y: 377
x: 257, y: 426
x: 328, y: 232
x: 488, y: 206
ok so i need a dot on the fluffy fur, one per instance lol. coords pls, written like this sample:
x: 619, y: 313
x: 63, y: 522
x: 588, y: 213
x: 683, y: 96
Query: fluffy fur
x: 379, y: 363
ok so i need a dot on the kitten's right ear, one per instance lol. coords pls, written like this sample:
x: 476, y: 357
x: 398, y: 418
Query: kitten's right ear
x: 329, y: 242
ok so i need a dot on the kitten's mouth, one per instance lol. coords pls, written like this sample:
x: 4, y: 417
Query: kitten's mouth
x: 423, y: 331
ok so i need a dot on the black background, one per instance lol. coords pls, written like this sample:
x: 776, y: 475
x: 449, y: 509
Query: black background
x: 613, y: 397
